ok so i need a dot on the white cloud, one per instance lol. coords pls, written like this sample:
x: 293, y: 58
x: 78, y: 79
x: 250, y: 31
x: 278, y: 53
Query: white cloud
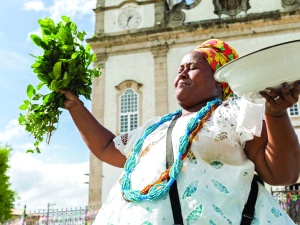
x: 21, y: 140
x: 71, y: 8
x: 39, y: 182
x: 36, y: 5
x: 75, y: 9
x: 11, y: 131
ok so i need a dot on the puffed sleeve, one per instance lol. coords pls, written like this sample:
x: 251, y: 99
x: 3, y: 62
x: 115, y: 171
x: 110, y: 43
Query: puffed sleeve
x: 125, y: 142
x: 249, y: 119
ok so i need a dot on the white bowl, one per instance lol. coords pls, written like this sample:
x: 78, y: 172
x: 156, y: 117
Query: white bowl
x: 268, y: 67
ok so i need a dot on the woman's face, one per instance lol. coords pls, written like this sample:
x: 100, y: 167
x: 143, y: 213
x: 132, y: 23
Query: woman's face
x: 195, y: 81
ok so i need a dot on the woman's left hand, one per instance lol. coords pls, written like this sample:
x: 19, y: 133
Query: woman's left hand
x: 276, y: 153
x: 277, y: 103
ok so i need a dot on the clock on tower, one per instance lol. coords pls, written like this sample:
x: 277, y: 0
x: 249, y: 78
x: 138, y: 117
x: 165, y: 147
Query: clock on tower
x: 129, y: 18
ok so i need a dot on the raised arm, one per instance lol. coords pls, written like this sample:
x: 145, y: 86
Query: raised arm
x: 276, y: 154
x: 98, y: 139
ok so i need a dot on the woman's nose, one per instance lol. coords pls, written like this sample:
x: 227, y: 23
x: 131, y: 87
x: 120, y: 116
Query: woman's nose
x: 183, y: 74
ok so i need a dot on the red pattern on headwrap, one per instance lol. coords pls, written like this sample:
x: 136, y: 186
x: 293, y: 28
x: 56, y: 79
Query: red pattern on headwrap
x: 218, y: 53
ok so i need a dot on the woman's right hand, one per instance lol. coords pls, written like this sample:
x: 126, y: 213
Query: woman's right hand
x: 70, y: 99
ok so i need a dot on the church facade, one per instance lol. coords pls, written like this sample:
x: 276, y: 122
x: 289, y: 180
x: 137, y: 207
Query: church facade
x: 140, y: 43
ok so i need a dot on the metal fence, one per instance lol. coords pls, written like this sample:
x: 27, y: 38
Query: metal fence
x: 81, y: 216
x: 289, y: 199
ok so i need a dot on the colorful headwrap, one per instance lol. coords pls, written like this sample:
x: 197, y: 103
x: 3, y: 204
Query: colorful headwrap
x: 218, y: 53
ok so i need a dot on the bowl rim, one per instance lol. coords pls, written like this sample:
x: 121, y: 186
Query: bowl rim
x: 218, y: 72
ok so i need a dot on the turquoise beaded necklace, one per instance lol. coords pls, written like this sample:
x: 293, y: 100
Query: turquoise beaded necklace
x: 160, y: 190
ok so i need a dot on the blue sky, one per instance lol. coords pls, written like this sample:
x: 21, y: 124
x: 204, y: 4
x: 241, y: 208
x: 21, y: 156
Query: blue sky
x: 55, y: 176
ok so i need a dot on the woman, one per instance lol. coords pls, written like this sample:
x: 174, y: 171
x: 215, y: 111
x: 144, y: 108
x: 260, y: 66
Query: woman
x: 217, y: 143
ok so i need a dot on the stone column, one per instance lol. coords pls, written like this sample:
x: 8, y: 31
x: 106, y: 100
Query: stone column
x: 95, y: 175
x: 160, y: 10
x: 99, y: 23
x: 160, y: 79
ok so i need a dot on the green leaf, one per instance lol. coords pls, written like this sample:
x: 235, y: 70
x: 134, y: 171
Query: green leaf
x: 65, y: 18
x: 36, y: 39
x: 42, y: 78
x: 53, y: 85
x: 35, y: 65
x: 36, y: 97
x: 34, y: 56
x: 74, y: 55
x: 61, y: 35
x: 37, y: 149
x: 67, y: 47
x: 66, y: 79
x: 45, y: 31
x: 73, y: 26
x: 46, y: 99
x: 51, y: 75
x: 80, y: 36
x: 46, y: 22
x: 69, y: 40
x: 39, y: 86
x: 88, y: 48
x: 21, y: 119
x: 23, y: 107
x: 57, y: 69
x: 30, y: 91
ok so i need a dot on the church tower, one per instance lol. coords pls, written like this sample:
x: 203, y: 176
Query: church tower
x: 139, y: 45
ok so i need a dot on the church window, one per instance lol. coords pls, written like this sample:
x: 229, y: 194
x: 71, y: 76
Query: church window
x: 129, y: 101
x: 129, y: 110
x: 294, y: 110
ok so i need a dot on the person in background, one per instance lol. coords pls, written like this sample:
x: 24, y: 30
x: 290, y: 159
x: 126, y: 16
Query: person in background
x: 218, y: 144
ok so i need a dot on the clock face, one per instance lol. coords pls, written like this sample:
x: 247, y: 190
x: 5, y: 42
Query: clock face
x: 129, y: 19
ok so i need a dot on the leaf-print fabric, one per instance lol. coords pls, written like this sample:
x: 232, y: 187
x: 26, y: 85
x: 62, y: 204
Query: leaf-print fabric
x: 215, y: 179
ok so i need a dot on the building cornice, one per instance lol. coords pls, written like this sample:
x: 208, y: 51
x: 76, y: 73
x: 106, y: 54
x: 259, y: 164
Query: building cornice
x: 143, y: 39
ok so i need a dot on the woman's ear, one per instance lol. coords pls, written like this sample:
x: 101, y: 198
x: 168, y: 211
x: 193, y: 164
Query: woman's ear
x: 218, y: 84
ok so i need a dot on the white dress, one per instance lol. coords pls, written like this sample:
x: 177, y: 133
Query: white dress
x: 215, y: 181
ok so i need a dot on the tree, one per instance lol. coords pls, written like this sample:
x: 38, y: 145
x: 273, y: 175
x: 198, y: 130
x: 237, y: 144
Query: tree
x: 7, y: 196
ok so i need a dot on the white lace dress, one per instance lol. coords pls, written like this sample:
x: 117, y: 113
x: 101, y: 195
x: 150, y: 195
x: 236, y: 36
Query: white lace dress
x: 215, y: 181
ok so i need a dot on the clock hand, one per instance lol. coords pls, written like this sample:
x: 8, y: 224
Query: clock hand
x: 129, y: 18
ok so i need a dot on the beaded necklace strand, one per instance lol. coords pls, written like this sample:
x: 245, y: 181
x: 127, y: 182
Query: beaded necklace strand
x: 158, y: 189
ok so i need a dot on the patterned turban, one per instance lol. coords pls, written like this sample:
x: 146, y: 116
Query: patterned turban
x: 217, y: 53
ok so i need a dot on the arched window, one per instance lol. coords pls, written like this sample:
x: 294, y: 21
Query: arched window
x: 129, y: 101
x: 128, y: 110
x: 294, y: 110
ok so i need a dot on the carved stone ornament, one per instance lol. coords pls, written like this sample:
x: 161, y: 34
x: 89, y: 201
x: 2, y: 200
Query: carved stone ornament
x: 230, y: 7
x: 176, y: 16
x: 290, y: 3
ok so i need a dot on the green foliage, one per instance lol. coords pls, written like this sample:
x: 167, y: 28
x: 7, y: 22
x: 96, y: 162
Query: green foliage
x: 64, y: 65
x: 7, y: 196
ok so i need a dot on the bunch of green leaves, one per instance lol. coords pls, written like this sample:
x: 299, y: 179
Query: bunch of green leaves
x: 64, y: 64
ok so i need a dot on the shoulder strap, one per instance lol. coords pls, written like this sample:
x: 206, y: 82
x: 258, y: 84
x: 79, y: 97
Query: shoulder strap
x: 249, y: 208
x: 174, y: 197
